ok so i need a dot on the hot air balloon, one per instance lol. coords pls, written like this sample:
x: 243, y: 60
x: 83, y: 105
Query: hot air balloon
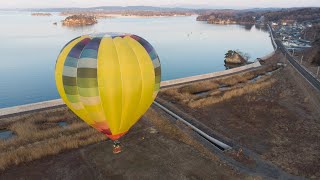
x: 109, y: 80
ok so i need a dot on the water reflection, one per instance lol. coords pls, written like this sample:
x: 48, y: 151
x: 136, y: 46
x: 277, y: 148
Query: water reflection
x: 247, y: 27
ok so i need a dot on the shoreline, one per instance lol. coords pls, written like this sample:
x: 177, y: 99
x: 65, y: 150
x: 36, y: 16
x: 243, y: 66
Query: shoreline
x: 8, y: 111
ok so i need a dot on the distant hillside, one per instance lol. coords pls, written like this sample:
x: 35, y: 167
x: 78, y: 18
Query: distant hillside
x: 197, y: 10
x: 313, y: 54
x: 251, y: 15
x: 112, y: 8
x: 230, y: 17
x: 299, y: 15
x: 312, y: 33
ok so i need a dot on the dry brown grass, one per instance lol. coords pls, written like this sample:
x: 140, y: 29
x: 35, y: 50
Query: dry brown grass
x: 230, y: 94
x: 235, y: 85
x: 201, y: 86
x: 38, y: 135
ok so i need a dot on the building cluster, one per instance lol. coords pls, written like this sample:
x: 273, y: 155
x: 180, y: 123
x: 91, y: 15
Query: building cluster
x: 292, y: 34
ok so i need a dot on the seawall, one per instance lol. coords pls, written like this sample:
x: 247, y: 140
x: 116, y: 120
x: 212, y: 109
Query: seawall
x: 58, y: 102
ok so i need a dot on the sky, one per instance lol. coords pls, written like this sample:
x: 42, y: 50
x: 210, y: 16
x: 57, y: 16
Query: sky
x: 237, y: 4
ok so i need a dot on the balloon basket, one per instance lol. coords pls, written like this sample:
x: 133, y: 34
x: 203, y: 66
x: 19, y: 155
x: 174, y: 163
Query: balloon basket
x: 116, y: 147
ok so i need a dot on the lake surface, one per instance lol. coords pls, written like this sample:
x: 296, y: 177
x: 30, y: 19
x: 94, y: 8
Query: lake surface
x: 30, y: 45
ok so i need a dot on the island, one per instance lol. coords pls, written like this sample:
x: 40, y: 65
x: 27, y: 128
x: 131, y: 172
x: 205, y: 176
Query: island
x: 79, y: 20
x: 235, y: 58
x: 41, y: 14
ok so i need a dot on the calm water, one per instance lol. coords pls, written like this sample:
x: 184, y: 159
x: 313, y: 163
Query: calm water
x: 30, y: 45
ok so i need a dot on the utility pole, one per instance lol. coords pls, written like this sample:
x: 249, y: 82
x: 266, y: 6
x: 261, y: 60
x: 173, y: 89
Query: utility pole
x: 301, y: 59
x: 293, y: 52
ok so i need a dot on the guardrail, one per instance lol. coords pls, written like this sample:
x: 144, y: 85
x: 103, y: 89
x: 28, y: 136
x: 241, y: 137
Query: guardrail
x: 300, y: 69
x: 275, y: 46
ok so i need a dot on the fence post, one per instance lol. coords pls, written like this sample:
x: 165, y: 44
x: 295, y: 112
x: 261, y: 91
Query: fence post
x: 301, y: 59
x: 318, y: 71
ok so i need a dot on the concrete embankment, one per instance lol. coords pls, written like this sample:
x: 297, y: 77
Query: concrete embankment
x: 209, y: 75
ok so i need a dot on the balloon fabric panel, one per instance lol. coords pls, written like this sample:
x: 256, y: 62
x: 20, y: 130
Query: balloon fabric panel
x: 108, y: 80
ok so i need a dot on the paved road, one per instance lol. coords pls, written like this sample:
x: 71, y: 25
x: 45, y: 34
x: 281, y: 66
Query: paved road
x: 312, y: 80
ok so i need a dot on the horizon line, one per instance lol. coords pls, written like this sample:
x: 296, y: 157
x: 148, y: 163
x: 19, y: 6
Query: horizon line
x: 165, y: 6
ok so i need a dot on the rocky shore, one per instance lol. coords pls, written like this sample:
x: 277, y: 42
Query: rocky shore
x: 79, y: 20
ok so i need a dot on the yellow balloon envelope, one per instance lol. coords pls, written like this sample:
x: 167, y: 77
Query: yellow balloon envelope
x: 109, y: 80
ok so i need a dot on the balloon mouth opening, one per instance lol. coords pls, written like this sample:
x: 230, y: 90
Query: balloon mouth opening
x: 104, y: 129
x: 115, y: 137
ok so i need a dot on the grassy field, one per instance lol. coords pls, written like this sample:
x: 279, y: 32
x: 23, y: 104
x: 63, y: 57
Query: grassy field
x: 156, y: 147
x: 40, y: 134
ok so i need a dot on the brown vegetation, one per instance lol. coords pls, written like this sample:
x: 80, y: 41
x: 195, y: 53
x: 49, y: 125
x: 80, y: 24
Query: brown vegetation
x: 38, y: 135
x: 234, y: 92
x: 155, y: 148
x: 217, y: 90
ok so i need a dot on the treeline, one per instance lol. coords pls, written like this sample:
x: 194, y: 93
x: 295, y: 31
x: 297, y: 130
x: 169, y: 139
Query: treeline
x: 299, y: 15
x: 248, y: 17
x: 312, y: 33
x: 228, y: 17
x: 99, y: 14
x: 313, y: 54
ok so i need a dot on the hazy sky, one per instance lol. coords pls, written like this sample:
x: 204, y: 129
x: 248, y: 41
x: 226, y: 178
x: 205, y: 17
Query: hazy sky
x: 175, y: 3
